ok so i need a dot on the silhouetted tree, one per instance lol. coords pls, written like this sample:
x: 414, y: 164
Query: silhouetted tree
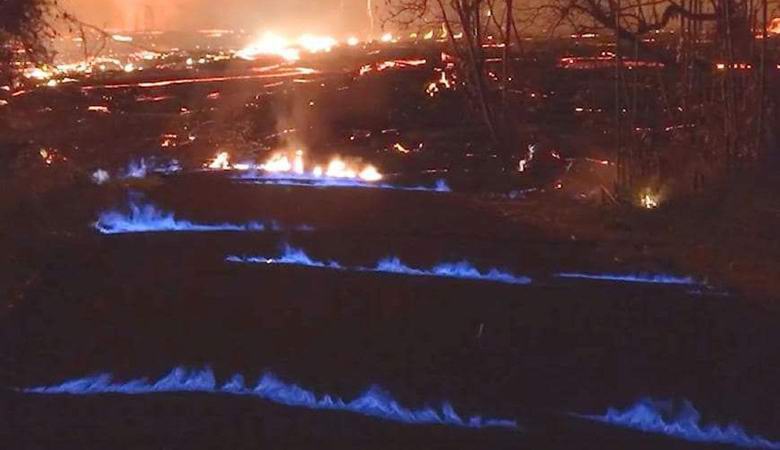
x: 468, y: 23
x: 25, y: 28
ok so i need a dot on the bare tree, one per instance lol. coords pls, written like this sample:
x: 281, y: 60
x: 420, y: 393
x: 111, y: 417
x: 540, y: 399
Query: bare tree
x: 25, y: 28
x: 469, y: 25
x: 714, y: 81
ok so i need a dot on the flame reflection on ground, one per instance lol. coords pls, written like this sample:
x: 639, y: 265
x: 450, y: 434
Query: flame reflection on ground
x: 374, y: 402
x: 304, y: 181
x: 634, y: 278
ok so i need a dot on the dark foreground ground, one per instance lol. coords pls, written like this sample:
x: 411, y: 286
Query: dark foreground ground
x: 140, y: 305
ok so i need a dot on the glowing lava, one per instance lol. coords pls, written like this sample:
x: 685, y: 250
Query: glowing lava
x: 374, y: 402
x: 659, y: 417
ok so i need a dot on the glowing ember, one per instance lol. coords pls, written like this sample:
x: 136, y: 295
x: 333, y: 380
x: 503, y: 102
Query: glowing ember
x: 735, y: 66
x: 683, y: 422
x: 50, y: 156
x: 99, y: 109
x: 442, y: 82
x: 374, y: 402
x: 392, y: 64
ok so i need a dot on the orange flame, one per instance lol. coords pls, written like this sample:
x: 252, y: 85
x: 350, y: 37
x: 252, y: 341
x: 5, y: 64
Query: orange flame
x: 774, y: 26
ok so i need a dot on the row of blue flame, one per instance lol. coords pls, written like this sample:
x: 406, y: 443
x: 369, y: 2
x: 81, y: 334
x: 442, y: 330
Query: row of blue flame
x: 676, y: 420
x: 140, y: 168
x: 647, y: 415
x: 146, y: 218
x: 286, y: 179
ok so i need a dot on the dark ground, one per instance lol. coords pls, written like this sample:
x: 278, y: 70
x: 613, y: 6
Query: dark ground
x: 140, y: 305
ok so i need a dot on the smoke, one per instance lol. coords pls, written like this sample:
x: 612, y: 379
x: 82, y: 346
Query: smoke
x: 136, y: 15
x: 289, y: 17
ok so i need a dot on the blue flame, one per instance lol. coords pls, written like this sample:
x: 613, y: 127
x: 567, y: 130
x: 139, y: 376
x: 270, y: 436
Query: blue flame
x: 139, y: 168
x: 290, y: 256
x: 660, y: 417
x: 100, y: 177
x: 145, y: 218
x: 322, y: 182
x: 172, y: 166
x: 635, y: 278
x: 463, y: 269
x: 136, y: 169
x: 374, y: 402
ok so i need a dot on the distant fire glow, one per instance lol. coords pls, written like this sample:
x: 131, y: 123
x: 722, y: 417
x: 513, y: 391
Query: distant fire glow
x: 462, y: 269
x: 271, y: 44
x: 774, y: 27
x: 681, y: 422
x: 374, y: 402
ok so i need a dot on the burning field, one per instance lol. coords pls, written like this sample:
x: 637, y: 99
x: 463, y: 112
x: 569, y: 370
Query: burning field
x: 241, y: 239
